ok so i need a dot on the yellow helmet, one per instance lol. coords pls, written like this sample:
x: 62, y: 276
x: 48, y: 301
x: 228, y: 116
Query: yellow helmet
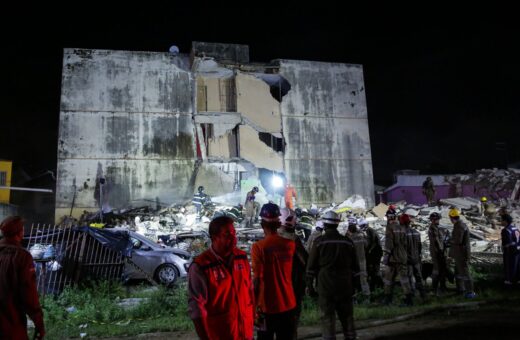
x: 454, y: 213
x: 483, y: 199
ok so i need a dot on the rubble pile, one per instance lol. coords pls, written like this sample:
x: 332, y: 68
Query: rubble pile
x: 502, y: 184
x: 179, y: 225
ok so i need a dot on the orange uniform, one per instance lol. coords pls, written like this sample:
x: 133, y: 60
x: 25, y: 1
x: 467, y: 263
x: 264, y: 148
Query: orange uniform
x: 272, y: 260
x: 290, y: 192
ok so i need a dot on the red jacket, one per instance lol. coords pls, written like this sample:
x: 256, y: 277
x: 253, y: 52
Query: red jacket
x: 229, y: 306
x: 272, y: 260
x: 18, y: 293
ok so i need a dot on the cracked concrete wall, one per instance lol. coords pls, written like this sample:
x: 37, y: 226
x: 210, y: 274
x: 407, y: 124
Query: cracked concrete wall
x: 257, y: 152
x: 254, y: 101
x: 325, y: 126
x: 209, y: 98
x: 126, y: 116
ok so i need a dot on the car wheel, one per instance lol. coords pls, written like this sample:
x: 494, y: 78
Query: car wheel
x: 166, y: 274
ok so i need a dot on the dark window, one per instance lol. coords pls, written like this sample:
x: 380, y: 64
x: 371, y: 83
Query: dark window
x: 274, y: 142
x: 3, y: 178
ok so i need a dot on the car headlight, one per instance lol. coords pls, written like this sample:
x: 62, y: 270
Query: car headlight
x: 182, y: 256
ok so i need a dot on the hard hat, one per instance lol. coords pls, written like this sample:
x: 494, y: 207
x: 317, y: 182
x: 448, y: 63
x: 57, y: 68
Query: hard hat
x: 404, y: 219
x: 330, y: 217
x: 435, y: 216
x: 270, y: 212
x: 362, y: 221
x: 454, y: 213
x: 483, y: 199
x: 201, y: 189
x: 319, y: 225
x: 288, y: 217
x: 255, y: 189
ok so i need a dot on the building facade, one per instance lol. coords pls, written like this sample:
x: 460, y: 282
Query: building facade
x: 154, y: 126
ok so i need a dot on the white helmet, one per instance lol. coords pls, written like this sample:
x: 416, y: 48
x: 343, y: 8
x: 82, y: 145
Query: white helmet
x: 287, y: 217
x: 330, y: 217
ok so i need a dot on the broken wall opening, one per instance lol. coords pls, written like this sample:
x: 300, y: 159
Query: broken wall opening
x: 216, y: 95
x: 218, y: 144
x: 275, y: 143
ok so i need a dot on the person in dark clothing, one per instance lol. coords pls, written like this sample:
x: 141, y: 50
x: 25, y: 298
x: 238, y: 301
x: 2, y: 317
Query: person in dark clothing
x: 333, y: 263
x: 199, y: 199
x: 18, y: 292
x: 374, y: 254
x: 460, y: 251
x: 511, y: 251
x: 288, y: 231
x: 414, y: 251
x: 428, y: 190
x: 437, y: 239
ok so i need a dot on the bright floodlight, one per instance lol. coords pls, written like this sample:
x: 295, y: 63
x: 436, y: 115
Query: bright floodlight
x: 277, y: 181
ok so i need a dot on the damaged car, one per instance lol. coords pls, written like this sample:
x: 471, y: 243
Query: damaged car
x: 164, y: 264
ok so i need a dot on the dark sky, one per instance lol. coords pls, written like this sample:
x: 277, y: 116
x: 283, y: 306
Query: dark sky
x: 441, y: 91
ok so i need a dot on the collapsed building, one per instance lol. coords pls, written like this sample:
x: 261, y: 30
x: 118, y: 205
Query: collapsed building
x: 148, y: 126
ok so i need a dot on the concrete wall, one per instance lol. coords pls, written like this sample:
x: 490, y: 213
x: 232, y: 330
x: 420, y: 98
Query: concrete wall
x: 325, y: 126
x: 256, y: 104
x: 257, y: 152
x: 126, y: 116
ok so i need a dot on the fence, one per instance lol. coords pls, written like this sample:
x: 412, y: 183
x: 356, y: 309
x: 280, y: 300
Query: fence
x: 65, y: 255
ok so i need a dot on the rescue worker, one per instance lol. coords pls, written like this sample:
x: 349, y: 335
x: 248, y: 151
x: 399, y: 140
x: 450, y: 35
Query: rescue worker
x: 511, y: 251
x: 396, y: 259
x: 236, y: 213
x: 288, y: 231
x: 489, y: 210
x: 318, y: 231
x: 306, y: 222
x: 289, y: 195
x: 358, y: 237
x: 252, y: 208
x: 18, y: 291
x: 333, y: 263
x: 220, y: 290
x: 414, y: 251
x: 374, y: 253
x: 460, y: 251
x: 436, y: 237
x: 391, y: 217
x: 272, y: 260
x: 199, y: 199
x: 428, y: 190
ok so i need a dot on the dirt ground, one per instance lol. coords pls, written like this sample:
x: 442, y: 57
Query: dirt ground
x: 494, y: 321
x: 489, y: 321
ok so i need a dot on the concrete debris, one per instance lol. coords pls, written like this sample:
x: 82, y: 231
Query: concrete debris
x: 380, y: 210
x: 180, y: 226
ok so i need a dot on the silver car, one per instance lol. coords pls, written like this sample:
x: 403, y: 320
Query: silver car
x: 164, y: 264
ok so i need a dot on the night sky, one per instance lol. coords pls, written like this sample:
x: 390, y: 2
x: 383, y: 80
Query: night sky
x: 441, y: 91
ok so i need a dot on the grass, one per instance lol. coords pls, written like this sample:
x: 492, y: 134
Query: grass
x: 166, y: 310
x: 96, y: 306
